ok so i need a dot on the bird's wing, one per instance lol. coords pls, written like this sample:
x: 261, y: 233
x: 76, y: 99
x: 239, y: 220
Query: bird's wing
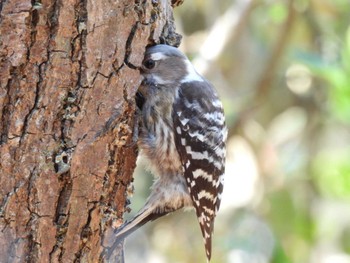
x: 200, y: 135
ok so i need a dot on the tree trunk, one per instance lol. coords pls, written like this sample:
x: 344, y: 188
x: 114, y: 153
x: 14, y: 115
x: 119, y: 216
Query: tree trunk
x: 68, y: 77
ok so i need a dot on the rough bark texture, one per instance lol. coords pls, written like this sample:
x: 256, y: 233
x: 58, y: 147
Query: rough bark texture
x: 68, y: 76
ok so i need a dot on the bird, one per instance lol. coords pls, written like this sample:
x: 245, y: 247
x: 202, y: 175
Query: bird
x: 182, y: 137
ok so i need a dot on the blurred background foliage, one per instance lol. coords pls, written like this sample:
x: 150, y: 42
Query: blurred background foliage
x: 282, y: 68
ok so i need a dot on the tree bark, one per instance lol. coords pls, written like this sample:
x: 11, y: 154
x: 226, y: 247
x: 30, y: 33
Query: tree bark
x: 68, y: 77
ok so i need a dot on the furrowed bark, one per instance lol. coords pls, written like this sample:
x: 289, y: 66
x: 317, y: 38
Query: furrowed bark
x: 68, y: 77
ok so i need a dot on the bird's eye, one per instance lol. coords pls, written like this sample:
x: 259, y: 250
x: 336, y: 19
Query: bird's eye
x: 149, y: 63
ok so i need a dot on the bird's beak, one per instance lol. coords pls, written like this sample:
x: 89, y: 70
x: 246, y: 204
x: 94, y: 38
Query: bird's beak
x: 140, y: 98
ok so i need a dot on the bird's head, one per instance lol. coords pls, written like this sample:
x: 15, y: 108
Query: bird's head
x: 164, y: 69
x: 167, y: 65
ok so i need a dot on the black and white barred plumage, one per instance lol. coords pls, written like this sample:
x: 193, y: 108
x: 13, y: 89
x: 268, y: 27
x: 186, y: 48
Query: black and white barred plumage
x: 182, y: 136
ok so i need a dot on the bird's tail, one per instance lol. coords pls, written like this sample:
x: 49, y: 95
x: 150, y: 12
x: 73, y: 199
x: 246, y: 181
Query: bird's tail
x: 145, y: 215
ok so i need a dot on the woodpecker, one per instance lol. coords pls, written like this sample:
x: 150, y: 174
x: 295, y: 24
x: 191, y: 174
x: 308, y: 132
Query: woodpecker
x: 183, y: 139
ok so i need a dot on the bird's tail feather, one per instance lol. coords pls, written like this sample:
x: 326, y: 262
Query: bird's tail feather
x: 142, y: 217
x: 145, y: 215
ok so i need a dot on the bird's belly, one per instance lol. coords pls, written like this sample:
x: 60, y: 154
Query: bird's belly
x: 160, y: 153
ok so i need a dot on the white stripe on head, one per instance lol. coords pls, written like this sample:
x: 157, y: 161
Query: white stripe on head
x: 156, y: 79
x: 158, y: 56
x: 192, y: 74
